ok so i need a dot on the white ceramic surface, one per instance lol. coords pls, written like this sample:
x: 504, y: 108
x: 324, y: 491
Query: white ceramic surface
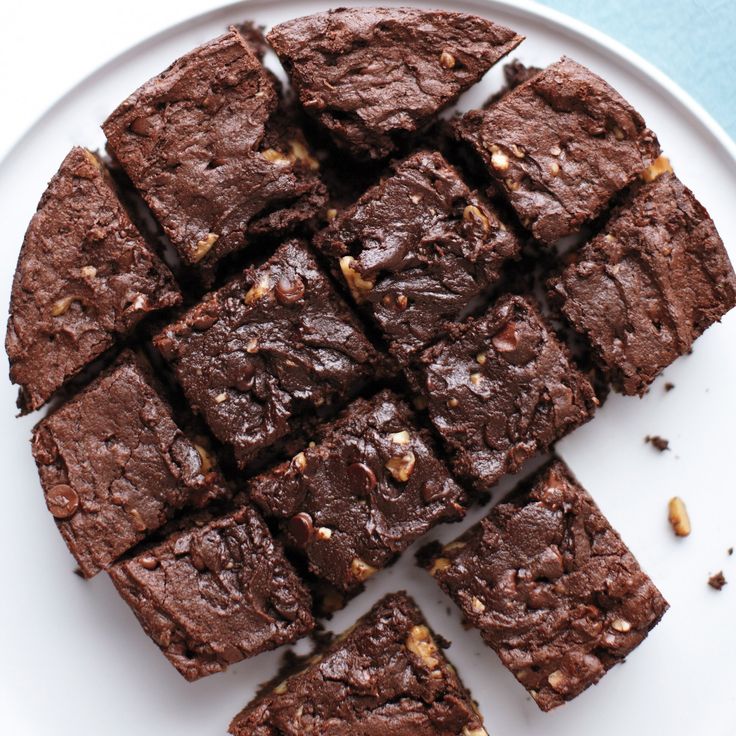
x: 75, y: 662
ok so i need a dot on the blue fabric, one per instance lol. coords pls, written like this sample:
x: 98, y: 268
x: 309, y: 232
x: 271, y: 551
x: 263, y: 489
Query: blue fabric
x: 692, y: 41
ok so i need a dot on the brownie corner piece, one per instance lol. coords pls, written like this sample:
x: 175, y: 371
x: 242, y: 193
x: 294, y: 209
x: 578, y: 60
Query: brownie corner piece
x: 84, y: 277
x: 502, y: 388
x: 212, y: 595
x: 655, y: 278
x: 561, y: 145
x: 275, y: 342
x: 551, y: 587
x: 360, y: 495
x: 385, y: 675
x: 417, y: 250
x: 115, y: 466
x: 412, y: 63
x: 202, y: 142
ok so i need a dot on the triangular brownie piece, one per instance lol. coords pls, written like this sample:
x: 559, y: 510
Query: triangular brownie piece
x: 372, y: 76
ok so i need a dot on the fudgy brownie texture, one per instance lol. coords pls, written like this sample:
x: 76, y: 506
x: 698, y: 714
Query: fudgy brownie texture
x: 649, y: 284
x: 359, y: 497
x: 372, y: 76
x: 417, y: 250
x: 254, y: 37
x: 500, y: 389
x: 84, y: 277
x: 384, y: 676
x: 275, y: 342
x: 215, y: 594
x: 560, y: 145
x: 196, y: 141
x: 115, y: 466
x: 551, y: 587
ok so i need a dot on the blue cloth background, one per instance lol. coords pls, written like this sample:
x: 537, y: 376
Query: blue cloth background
x: 692, y: 41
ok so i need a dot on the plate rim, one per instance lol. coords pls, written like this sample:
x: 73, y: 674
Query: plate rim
x: 530, y: 8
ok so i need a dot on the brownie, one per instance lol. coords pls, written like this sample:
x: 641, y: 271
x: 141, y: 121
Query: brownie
x: 385, y: 675
x: 196, y: 142
x: 418, y: 250
x: 115, y: 466
x: 215, y: 594
x: 84, y: 277
x: 373, y: 76
x: 560, y: 145
x: 359, y: 497
x: 500, y: 389
x: 254, y: 37
x: 275, y: 342
x: 649, y: 284
x: 551, y: 587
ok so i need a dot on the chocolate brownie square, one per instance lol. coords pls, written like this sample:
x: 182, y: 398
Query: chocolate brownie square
x: 84, y: 277
x: 551, y: 587
x: 215, y: 594
x: 386, y: 675
x: 502, y: 388
x: 649, y: 284
x: 273, y: 343
x: 360, y: 496
x: 418, y: 250
x: 373, y: 76
x: 196, y: 142
x: 560, y: 145
x: 115, y: 466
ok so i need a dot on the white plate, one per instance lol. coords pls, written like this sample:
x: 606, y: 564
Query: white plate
x: 74, y: 660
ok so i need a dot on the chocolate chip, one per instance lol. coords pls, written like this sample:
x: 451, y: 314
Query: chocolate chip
x: 244, y: 382
x: 361, y: 478
x: 506, y: 339
x: 62, y: 501
x: 301, y: 528
x: 433, y: 490
x: 289, y: 291
x: 149, y: 562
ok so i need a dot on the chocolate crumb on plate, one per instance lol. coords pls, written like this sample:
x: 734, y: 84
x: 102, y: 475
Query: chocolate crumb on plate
x: 660, y: 443
x: 717, y: 581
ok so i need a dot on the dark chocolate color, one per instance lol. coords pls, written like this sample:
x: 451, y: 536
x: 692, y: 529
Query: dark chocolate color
x: 196, y: 142
x: 551, y: 587
x: 560, y: 145
x: 502, y: 388
x: 372, y: 76
x: 84, y: 277
x: 385, y: 676
x: 424, y: 248
x: 274, y: 342
x: 115, y: 466
x: 362, y: 494
x: 648, y: 285
x: 213, y: 595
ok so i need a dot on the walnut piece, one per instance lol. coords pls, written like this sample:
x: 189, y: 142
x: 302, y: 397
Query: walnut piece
x: 679, y: 517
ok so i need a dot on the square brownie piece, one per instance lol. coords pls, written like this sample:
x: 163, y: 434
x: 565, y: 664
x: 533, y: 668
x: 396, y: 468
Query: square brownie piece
x: 385, y: 675
x: 361, y: 495
x: 215, y: 594
x: 196, y: 143
x: 417, y: 250
x: 501, y: 389
x: 561, y: 145
x: 84, y: 277
x: 115, y: 466
x: 374, y: 76
x: 275, y: 342
x: 649, y: 284
x: 551, y: 587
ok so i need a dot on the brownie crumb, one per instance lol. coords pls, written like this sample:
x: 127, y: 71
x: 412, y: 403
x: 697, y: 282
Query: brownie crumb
x: 717, y: 581
x: 660, y: 443
x: 730, y: 551
x: 669, y: 386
